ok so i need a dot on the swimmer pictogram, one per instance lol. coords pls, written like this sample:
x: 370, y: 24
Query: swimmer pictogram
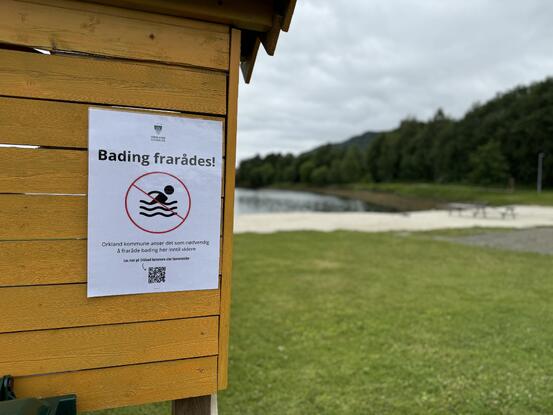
x: 157, y: 202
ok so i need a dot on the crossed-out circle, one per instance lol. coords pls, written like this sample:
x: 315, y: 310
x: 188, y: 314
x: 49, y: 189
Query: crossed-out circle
x: 140, y: 187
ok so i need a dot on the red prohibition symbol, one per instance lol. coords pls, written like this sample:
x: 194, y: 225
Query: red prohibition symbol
x: 152, y: 203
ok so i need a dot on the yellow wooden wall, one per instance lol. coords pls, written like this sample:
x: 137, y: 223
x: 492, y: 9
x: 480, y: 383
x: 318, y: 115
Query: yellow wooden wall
x: 111, y: 351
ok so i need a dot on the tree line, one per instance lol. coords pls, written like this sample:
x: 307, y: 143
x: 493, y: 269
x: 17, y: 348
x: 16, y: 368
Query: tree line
x: 494, y: 144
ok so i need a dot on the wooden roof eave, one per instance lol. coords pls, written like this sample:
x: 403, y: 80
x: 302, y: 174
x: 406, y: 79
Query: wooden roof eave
x: 260, y: 21
x: 288, y: 13
x: 243, y: 14
x: 269, y: 39
x: 249, y: 49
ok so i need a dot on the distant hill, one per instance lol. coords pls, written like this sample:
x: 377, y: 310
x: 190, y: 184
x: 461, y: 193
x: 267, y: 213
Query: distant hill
x: 362, y: 140
x: 343, y: 162
x: 494, y: 143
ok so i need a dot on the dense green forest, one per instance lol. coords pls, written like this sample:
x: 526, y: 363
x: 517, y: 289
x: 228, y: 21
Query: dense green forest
x: 496, y: 143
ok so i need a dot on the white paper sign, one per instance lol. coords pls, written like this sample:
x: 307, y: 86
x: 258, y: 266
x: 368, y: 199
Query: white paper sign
x: 154, y: 202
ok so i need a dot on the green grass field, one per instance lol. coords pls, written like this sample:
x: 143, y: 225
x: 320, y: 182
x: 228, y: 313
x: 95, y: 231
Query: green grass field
x: 464, y: 193
x: 356, y: 323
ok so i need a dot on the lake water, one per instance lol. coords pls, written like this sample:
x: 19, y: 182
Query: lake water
x: 271, y: 200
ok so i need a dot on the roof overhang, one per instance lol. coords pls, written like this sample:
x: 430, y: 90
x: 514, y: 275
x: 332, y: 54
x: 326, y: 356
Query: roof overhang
x: 261, y: 21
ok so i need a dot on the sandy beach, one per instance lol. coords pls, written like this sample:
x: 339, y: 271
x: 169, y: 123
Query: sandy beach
x: 525, y: 217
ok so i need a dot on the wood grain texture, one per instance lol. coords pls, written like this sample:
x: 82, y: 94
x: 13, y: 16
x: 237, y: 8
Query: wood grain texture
x: 126, y: 385
x: 100, y: 348
x: 59, y: 306
x: 43, y: 171
x: 62, y: 350
x: 42, y: 262
x: 245, y: 14
x: 113, y: 82
x: 45, y: 262
x: 113, y: 32
x: 228, y: 214
x: 98, y: 7
x: 46, y: 123
x: 29, y: 217
x: 26, y: 217
x: 54, y: 124
x: 52, y: 171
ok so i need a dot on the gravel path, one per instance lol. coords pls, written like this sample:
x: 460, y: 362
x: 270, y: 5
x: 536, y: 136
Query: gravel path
x: 538, y: 240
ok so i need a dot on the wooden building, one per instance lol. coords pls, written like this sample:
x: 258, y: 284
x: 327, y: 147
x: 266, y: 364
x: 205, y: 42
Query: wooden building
x: 58, y: 58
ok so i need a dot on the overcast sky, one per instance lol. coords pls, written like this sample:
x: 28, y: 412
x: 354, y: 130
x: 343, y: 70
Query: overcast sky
x: 349, y: 66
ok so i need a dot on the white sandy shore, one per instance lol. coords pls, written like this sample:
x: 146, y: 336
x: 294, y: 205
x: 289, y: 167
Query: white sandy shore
x: 526, y: 217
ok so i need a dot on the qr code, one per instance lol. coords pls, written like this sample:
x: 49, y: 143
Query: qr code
x: 156, y: 275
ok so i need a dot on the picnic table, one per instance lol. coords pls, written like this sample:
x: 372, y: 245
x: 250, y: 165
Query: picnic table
x: 480, y: 208
x: 476, y: 208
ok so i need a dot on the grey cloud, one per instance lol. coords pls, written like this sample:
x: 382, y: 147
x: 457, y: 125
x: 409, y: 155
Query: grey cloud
x: 350, y: 66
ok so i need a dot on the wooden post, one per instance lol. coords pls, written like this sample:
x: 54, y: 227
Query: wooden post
x: 201, y: 405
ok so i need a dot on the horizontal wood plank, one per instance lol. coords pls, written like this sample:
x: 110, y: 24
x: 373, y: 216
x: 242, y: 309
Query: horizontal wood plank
x: 52, y: 123
x: 62, y: 350
x: 29, y: 217
x: 52, y: 171
x: 43, y: 171
x: 43, y: 123
x: 59, y: 306
x: 113, y: 32
x: 244, y: 14
x: 113, y: 82
x: 126, y: 385
x: 42, y: 262
x: 26, y: 217
x: 46, y: 262
x: 156, y: 16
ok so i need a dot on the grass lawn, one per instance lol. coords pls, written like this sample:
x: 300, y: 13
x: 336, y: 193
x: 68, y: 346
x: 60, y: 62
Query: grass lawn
x: 357, y: 323
x: 463, y: 193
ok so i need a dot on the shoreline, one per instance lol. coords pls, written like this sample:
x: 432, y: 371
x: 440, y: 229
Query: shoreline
x: 405, y: 197
x: 398, y: 203
x: 386, y: 200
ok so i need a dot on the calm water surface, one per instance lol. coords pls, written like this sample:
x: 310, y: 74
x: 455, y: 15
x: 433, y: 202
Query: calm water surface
x: 270, y: 200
